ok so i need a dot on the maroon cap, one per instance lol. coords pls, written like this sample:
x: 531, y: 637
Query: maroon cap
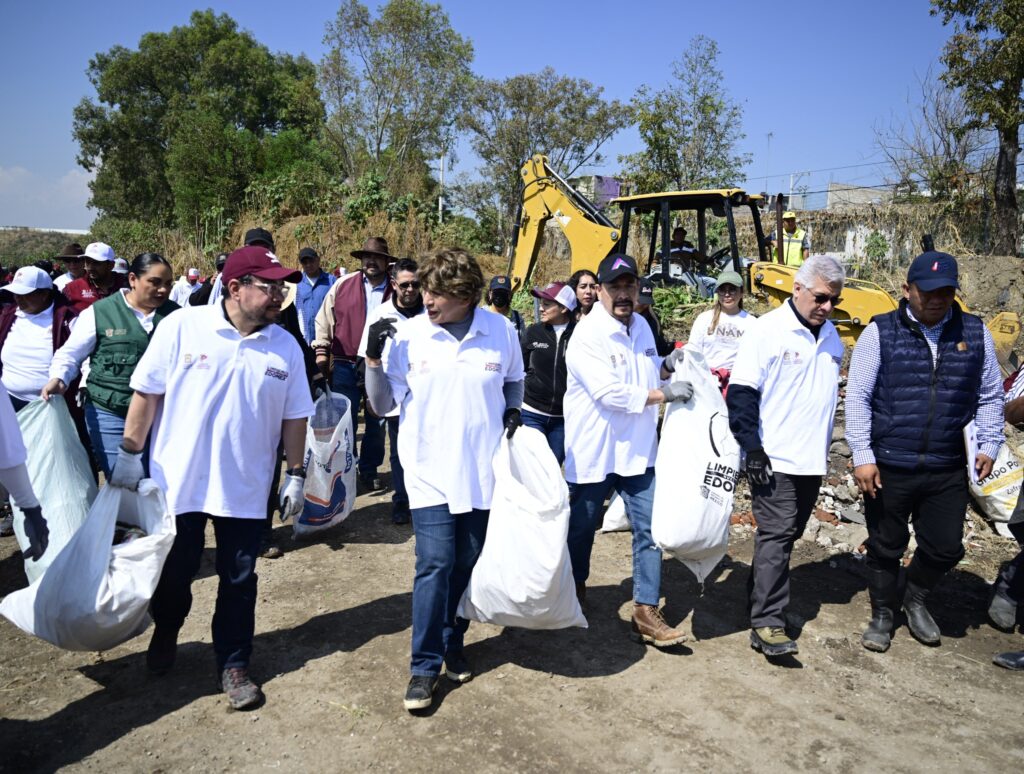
x: 258, y: 262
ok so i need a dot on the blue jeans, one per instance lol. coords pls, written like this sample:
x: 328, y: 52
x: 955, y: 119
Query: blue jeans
x: 447, y: 547
x: 586, y: 509
x: 234, y: 617
x: 345, y: 379
x: 106, y: 431
x: 553, y: 429
x: 400, y: 496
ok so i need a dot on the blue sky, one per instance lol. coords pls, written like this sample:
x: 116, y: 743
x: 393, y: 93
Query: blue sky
x: 843, y: 69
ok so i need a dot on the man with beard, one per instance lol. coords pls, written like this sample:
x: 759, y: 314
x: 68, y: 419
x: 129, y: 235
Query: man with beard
x: 406, y: 303
x: 611, y: 417
x: 339, y: 327
x: 226, y: 369
x: 99, y: 280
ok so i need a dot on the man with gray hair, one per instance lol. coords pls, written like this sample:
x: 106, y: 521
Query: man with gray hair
x: 782, y: 403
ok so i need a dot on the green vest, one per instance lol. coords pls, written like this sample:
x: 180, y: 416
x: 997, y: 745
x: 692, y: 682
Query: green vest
x: 120, y: 342
x: 793, y: 251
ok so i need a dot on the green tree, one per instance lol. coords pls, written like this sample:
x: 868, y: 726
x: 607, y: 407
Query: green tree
x: 690, y: 128
x: 985, y: 60
x: 564, y: 118
x: 394, y: 86
x: 184, y: 112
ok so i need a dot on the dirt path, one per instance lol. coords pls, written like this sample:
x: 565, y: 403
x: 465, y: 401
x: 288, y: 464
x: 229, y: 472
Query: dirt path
x: 332, y: 649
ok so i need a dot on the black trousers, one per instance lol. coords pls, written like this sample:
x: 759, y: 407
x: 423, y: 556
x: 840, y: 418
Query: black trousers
x: 781, y: 510
x: 1010, y: 583
x: 934, y: 501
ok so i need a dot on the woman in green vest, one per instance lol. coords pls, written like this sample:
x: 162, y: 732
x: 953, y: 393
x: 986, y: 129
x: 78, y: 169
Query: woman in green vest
x: 113, y: 334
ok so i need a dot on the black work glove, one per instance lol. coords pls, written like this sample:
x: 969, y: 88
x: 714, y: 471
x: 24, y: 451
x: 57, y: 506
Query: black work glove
x: 759, y: 468
x: 36, y: 532
x: 511, y: 419
x: 379, y: 332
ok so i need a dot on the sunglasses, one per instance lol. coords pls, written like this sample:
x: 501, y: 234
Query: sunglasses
x: 270, y: 288
x: 414, y: 284
x: 821, y: 298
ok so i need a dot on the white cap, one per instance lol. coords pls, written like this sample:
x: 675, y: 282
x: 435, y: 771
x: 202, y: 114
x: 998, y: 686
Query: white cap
x: 98, y: 251
x: 120, y: 266
x: 29, y: 279
x: 566, y: 297
x: 193, y: 272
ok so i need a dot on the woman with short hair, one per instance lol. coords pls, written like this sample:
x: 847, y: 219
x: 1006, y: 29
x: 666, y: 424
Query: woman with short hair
x: 456, y: 374
x: 113, y: 334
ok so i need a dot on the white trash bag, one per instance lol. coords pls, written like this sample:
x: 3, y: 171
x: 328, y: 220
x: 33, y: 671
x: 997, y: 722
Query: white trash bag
x: 524, y: 577
x: 330, y: 488
x: 997, y: 493
x: 615, y: 517
x: 95, y: 595
x: 695, y: 473
x: 58, y: 467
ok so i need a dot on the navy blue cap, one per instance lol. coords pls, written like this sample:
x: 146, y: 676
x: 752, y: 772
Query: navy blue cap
x: 933, y: 270
x: 501, y: 282
x: 614, y: 266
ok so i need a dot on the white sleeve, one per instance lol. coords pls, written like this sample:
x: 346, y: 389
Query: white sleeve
x: 699, y: 332
x: 153, y: 369
x: 396, y: 368
x: 589, y: 365
x: 67, y: 361
x: 751, y: 366
x: 298, y: 401
x: 514, y: 371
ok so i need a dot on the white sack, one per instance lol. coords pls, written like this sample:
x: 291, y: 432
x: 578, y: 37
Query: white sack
x: 615, y: 517
x: 997, y: 493
x: 58, y: 467
x: 524, y: 576
x: 330, y: 488
x: 96, y: 595
x: 695, y: 473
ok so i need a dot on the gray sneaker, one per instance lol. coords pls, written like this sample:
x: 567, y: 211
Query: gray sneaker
x: 241, y: 691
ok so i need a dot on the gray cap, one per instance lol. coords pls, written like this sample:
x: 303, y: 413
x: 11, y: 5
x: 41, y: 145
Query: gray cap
x: 729, y: 278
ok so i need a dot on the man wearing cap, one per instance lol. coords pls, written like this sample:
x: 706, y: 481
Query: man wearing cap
x: 611, y: 416
x: 311, y: 291
x: 499, y: 301
x: 209, y: 291
x: 73, y: 257
x: 99, y: 280
x: 918, y: 377
x: 405, y: 303
x: 544, y: 348
x: 644, y: 302
x: 226, y: 368
x: 796, y: 242
x: 186, y: 285
x: 339, y: 327
x: 782, y: 403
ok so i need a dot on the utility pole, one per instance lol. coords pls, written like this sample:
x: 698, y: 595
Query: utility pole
x: 767, y: 156
x: 440, y: 196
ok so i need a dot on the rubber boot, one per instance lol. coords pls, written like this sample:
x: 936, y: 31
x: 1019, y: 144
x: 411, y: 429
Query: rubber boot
x: 1007, y: 592
x: 920, y: 582
x: 882, y: 590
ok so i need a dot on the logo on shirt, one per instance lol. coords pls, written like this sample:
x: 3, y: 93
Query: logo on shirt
x: 791, y: 357
x: 109, y: 332
x: 539, y: 345
x: 617, y: 359
x: 493, y: 367
x: 276, y: 373
x: 198, y: 361
x: 650, y: 352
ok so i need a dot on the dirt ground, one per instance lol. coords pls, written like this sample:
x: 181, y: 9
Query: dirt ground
x: 332, y: 649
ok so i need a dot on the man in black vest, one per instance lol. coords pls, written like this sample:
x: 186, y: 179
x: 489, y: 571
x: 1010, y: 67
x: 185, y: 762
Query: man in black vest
x: 919, y: 376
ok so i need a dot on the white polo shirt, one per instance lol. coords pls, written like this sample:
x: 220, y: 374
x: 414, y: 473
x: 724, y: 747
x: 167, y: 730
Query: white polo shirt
x: 609, y: 428
x: 214, y: 443
x: 798, y: 379
x: 27, y: 352
x: 386, y: 309
x: 451, y: 400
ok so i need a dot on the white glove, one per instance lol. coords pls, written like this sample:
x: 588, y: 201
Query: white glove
x: 674, y: 359
x: 291, y: 497
x: 127, y: 472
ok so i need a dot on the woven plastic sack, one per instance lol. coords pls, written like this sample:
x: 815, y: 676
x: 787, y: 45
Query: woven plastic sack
x: 615, y: 517
x: 330, y: 488
x: 524, y: 576
x: 95, y: 595
x: 58, y: 467
x: 695, y: 473
x: 997, y: 493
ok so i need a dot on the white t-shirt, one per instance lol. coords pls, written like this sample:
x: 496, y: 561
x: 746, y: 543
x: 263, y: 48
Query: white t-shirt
x: 27, y: 353
x: 213, y: 446
x: 386, y: 309
x: 720, y: 347
x: 62, y: 280
x: 451, y: 400
x: 609, y: 428
x: 12, y: 447
x: 798, y: 379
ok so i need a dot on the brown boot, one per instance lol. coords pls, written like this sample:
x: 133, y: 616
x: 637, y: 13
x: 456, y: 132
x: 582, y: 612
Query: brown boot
x: 649, y: 626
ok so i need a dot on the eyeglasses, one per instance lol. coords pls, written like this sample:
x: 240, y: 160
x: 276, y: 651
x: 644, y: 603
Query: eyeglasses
x: 414, y: 284
x: 272, y: 289
x: 821, y: 298
x: 728, y: 290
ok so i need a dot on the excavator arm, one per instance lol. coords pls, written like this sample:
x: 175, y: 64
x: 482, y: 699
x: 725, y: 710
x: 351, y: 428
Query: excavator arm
x: 590, y: 234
